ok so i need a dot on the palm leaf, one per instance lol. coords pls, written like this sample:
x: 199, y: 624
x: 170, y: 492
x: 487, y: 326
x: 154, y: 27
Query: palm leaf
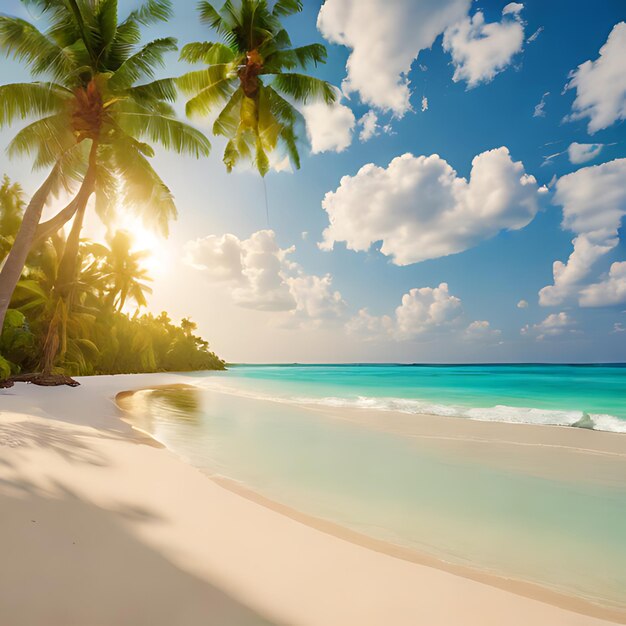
x: 303, y: 88
x: 210, y: 17
x: 143, y: 190
x: 158, y: 90
x: 211, y: 85
x: 228, y: 120
x: 302, y: 57
x: 207, y: 52
x: 107, y: 22
x: 24, y: 42
x: 283, y: 109
x: 152, y: 12
x: 143, y: 64
x: 290, y: 141
x: 23, y: 100
x: 261, y: 160
x: 284, y: 8
x: 172, y: 134
x: 47, y: 138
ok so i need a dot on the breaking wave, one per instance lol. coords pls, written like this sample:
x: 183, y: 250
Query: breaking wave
x: 498, y: 413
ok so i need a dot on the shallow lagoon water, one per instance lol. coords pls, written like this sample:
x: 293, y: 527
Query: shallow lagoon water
x: 565, y: 535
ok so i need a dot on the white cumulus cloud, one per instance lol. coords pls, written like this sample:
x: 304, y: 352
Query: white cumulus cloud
x: 582, y: 152
x: 522, y: 304
x: 421, y: 312
x: 512, y: 8
x: 481, y: 331
x: 555, y: 324
x: 610, y: 291
x: 369, y: 125
x: 594, y: 203
x: 421, y: 209
x: 601, y: 84
x: 480, y: 49
x: 260, y: 276
x: 385, y: 37
x: 329, y: 127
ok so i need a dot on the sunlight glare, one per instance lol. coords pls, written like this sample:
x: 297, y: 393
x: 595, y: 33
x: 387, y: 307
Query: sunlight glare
x: 146, y: 239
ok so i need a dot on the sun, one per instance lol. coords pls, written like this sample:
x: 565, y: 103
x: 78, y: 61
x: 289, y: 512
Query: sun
x: 145, y: 239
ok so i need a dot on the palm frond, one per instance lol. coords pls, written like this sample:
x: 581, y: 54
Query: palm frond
x: 261, y: 160
x: 210, y: 17
x: 268, y: 125
x: 228, y: 120
x: 283, y: 109
x: 24, y: 100
x: 107, y: 22
x: 143, y: 64
x: 290, y: 141
x: 70, y: 167
x: 47, y: 139
x: 171, y: 133
x: 152, y: 12
x: 127, y: 36
x: 303, y: 88
x: 143, y: 190
x: 210, y: 86
x: 107, y: 186
x: 284, y: 8
x: 24, y: 42
x: 207, y: 52
x: 160, y: 90
x: 302, y: 57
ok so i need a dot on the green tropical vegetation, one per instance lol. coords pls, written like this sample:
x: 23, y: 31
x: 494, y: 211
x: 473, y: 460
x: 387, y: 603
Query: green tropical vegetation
x: 250, y: 76
x: 90, y: 119
x: 98, y: 334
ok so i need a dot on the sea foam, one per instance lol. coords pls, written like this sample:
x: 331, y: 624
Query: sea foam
x: 497, y: 413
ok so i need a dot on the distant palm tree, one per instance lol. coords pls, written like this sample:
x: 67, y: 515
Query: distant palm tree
x: 250, y: 77
x: 188, y: 326
x: 11, y: 210
x: 72, y: 325
x: 122, y: 271
x: 91, y: 118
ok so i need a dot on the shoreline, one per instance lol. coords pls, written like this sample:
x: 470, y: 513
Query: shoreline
x: 269, y: 562
x: 423, y: 426
x: 521, y: 588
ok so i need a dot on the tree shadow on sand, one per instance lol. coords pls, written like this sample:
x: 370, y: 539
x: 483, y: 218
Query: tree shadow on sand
x: 71, y: 444
x: 68, y: 562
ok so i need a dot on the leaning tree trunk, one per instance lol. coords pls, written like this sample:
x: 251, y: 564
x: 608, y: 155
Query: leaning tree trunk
x: 32, y: 232
x: 14, y: 263
x: 63, y: 292
x: 67, y: 274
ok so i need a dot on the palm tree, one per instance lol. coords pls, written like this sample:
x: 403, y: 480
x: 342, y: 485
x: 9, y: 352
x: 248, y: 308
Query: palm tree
x: 92, y: 118
x: 121, y: 270
x: 11, y: 210
x: 249, y: 75
x: 188, y: 326
x: 72, y: 327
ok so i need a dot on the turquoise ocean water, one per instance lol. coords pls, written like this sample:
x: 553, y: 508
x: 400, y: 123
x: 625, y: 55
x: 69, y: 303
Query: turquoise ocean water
x: 541, y: 394
x: 562, y: 532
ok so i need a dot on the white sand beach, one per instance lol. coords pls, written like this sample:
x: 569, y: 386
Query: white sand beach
x: 99, y: 526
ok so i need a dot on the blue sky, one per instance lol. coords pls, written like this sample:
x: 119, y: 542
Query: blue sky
x: 284, y: 306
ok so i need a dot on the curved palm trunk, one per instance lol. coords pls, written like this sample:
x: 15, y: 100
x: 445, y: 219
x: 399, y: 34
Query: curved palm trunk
x: 54, y: 224
x: 56, y: 337
x: 14, y: 263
